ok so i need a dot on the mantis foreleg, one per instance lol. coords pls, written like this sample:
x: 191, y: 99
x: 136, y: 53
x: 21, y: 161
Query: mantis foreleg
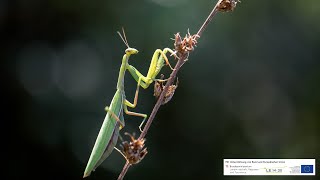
x: 135, y: 100
x: 157, y: 62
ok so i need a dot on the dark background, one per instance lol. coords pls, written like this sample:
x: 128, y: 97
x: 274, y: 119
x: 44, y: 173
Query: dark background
x: 249, y: 90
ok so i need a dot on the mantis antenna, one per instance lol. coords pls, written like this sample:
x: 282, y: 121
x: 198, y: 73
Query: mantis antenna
x: 123, y: 39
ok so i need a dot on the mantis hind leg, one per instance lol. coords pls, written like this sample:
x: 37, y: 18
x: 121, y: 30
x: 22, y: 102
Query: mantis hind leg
x: 114, y: 116
x: 120, y: 152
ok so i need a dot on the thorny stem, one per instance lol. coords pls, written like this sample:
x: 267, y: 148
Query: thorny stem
x: 181, y: 61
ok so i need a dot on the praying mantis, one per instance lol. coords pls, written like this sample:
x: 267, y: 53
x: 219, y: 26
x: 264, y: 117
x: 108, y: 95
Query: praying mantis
x: 114, y: 120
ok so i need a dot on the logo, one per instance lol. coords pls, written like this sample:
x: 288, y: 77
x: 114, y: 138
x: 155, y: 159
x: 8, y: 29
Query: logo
x: 306, y: 168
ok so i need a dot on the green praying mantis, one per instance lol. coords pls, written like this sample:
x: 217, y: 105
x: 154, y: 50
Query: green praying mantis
x: 114, y: 120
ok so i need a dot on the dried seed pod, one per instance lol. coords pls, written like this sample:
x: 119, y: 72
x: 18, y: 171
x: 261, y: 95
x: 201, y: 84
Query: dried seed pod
x: 178, y: 42
x: 134, y: 150
x: 227, y: 5
x: 185, y: 45
x: 159, y: 87
x: 190, y: 42
x: 168, y: 96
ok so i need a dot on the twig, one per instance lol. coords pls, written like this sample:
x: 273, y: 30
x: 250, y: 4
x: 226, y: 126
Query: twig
x: 156, y: 107
x: 209, y: 18
x: 124, y: 170
x: 181, y: 61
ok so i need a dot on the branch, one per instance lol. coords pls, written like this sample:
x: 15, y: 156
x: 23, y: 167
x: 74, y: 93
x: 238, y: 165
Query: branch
x: 124, y: 170
x: 221, y: 5
x: 209, y: 18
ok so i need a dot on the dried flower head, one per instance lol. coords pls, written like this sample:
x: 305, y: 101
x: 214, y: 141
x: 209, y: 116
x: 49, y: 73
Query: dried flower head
x: 227, y: 5
x: 159, y: 87
x: 187, y: 44
x: 178, y: 43
x: 134, y: 150
x: 168, y: 96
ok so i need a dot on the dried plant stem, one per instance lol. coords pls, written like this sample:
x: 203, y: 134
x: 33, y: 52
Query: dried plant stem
x: 124, y: 170
x: 181, y: 61
x: 156, y: 107
x: 209, y: 18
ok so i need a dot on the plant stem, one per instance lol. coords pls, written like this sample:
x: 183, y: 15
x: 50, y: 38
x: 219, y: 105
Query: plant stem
x: 156, y: 107
x: 181, y: 61
x: 124, y: 170
x: 209, y: 18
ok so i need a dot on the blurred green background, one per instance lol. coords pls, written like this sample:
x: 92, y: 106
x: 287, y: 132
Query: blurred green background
x: 249, y: 90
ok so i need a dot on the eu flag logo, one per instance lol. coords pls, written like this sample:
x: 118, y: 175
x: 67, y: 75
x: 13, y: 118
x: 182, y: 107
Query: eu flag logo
x: 306, y: 168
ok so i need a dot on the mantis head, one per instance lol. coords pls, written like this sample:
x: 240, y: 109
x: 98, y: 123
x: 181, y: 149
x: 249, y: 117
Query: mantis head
x: 129, y: 50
